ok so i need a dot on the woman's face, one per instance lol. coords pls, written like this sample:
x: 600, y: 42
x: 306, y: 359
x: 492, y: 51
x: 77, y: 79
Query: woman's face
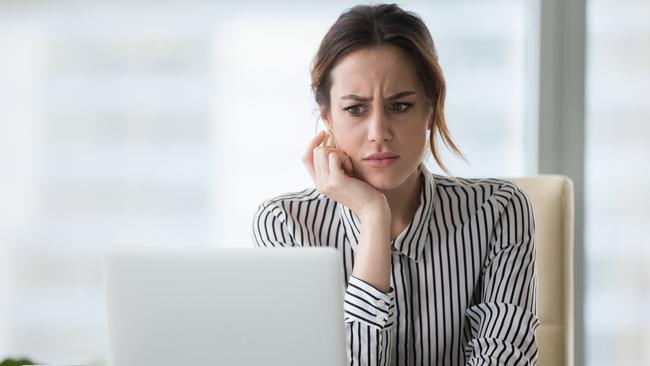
x: 378, y: 105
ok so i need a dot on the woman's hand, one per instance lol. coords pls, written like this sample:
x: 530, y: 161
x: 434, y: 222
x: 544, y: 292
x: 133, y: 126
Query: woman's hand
x: 332, y: 172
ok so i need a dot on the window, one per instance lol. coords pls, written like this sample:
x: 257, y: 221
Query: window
x: 617, y: 196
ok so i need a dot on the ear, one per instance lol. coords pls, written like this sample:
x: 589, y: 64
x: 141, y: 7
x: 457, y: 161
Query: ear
x: 324, y: 115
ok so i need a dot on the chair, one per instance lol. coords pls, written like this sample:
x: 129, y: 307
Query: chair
x: 552, y: 200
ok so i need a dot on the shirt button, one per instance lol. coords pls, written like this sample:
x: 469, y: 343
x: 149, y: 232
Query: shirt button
x: 381, y: 303
x: 381, y: 318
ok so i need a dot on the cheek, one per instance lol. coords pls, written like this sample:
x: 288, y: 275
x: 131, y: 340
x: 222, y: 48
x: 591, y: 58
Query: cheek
x: 413, y: 148
x: 347, y: 137
x: 352, y: 148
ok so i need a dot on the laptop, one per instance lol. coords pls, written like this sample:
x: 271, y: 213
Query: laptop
x: 225, y: 306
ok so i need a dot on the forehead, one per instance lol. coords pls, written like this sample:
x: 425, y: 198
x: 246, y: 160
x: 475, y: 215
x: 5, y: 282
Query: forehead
x: 386, y: 69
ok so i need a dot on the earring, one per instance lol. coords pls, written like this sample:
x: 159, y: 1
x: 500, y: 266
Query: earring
x: 329, y: 141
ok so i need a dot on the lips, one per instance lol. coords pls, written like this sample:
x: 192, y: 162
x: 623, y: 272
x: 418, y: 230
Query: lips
x: 380, y: 162
x: 381, y: 155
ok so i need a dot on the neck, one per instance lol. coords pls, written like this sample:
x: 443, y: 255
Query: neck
x: 404, y: 202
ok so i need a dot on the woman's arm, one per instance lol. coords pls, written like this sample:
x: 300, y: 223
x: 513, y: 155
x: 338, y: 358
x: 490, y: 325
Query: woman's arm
x: 369, y: 304
x: 503, y: 324
x: 372, y: 261
x: 369, y: 300
x: 269, y: 227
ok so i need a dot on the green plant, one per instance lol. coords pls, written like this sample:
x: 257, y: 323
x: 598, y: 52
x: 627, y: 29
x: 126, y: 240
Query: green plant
x: 26, y: 361
x: 18, y: 362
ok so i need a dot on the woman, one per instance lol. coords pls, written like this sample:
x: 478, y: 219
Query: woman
x: 439, y: 271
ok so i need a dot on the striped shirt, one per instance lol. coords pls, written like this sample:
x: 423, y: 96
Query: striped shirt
x: 463, y: 283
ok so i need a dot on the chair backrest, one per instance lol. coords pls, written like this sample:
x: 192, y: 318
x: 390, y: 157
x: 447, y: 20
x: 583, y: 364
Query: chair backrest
x: 552, y: 199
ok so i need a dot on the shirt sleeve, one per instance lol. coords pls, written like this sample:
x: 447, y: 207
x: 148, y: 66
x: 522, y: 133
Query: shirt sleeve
x: 269, y: 227
x: 369, y: 323
x: 369, y: 314
x: 504, y: 322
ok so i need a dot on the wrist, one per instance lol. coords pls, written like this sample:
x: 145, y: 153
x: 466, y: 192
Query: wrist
x: 377, y: 213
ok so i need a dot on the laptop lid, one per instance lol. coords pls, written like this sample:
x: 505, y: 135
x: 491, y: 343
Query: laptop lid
x: 225, y: 306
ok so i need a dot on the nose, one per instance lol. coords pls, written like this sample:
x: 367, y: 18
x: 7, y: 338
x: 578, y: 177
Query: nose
x: 378, y: 128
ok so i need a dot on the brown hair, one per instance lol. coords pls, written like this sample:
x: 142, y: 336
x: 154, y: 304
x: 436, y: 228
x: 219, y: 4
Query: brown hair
x: 385, y: 24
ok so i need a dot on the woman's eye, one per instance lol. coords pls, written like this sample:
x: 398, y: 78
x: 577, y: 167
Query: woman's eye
x: 355, y: 110
x: 401, y: 107
x: 358, y: 110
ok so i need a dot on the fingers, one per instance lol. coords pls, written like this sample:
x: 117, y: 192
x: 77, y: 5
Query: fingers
x: 321, y: 164
x: 326, y: 165
x: 344, y: 161
x: 340, y: 165
x: 315, y: 142
x: 308, y: 159
x: 335, y: 170
x: 331, y: 163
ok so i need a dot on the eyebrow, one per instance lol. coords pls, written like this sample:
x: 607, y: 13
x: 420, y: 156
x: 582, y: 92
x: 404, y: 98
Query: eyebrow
x: 365, y: 99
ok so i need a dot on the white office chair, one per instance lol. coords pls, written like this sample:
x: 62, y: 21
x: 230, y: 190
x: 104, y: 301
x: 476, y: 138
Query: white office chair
x: 552, y: 199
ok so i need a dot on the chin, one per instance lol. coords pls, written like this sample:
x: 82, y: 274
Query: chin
x: 384, y: 182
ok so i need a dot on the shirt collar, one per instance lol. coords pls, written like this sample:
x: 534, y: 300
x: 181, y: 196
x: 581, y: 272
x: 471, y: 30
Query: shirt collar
x: 412, y: 240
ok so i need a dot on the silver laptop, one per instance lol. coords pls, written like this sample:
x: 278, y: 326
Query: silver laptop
x: 225, y: 306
